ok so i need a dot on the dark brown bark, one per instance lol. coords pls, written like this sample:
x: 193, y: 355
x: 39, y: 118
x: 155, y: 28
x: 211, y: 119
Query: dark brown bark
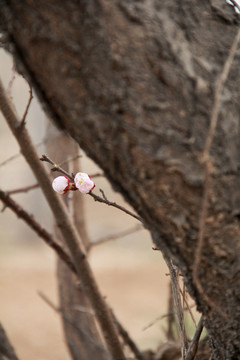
x: 133, y: 82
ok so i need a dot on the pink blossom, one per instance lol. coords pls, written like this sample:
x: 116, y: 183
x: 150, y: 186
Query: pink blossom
x: 61, y: 184
x: 84, y: 183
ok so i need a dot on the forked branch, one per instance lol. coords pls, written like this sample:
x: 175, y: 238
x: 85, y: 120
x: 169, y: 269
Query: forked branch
x: 67, y: 228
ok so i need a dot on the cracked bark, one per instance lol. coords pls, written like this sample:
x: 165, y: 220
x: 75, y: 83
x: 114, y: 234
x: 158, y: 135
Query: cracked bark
x: 133, y: 82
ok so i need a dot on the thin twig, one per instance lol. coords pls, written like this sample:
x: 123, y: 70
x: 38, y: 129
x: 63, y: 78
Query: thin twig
x: 119, y: 235
x: 23, y: 189
x: 103, y: 199
x: 70, y: 160
x: 66, y: 226
x: 171, y: 317
x: 27, y: 107
x: 207, y: 167
x: 192, y: 350
x: 15, y: 156
x: 83, y: 333
x: 56, y: 167
x: 177, y: 305
x: 128, y: 340
x: 183, y: 293
x: 11, y: 81
x: 95, y: 175
x: 111, y: 203
x: 7, y: 352
x: 153, y: 322
x: 35, y: 226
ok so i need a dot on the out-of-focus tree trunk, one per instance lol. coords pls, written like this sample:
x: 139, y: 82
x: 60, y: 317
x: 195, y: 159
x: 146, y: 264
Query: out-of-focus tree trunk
x: 6, y: 349
x: 133, y: 82
x: 80, y: 328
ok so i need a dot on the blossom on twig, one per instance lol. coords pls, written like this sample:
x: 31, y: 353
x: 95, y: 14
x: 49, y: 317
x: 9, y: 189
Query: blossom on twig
x: 83, y: 182
x: 61, y: 184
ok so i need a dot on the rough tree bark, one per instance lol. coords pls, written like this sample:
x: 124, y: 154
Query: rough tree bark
x: 133, y: 82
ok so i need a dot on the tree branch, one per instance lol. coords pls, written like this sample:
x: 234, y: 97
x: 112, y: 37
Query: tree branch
x: 6, y: 350
x: 23, y: 189
x: 35, y: 226
x: 58, y: 310
x: 192, y: 350
x: 119, y: 235
x: 177, y: 305
x: 67, y: 228
x: 27, y: 107
x: 103, y: 199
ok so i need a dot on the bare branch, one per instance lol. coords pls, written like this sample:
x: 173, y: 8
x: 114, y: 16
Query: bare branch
x: 177, y: 305
x: 67, y: 228
x: 70, y: 159
x: 23, y: 189
x: 183, y: 293
x: 27, y: 107
x: 170, y: 317
x: 35, y: 226
x: 83, y: 333
x: 56, y: 167
x: 11, y: 81
x: 119, y: 235
x: 6, y: 350
x: 111, y: 203
x: 96, y: 175
x: 128, y: 340
x: 207, y: 167
x: 100, y: 199
x: 15, y: 156
x: 192, y: 350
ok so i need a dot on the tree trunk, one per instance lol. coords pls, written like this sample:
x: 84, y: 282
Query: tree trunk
x: 134, y: 82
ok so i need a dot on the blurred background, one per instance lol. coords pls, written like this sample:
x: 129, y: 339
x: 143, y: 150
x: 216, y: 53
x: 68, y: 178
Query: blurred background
x: 130, y: 274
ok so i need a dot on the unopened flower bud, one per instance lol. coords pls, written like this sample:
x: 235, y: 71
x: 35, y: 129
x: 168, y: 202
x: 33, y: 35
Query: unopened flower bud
x: 84, y: 183
x: 61, y: 184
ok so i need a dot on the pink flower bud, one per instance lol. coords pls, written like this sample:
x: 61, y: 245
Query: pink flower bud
x: 61, y: 184
x: 84, y: 183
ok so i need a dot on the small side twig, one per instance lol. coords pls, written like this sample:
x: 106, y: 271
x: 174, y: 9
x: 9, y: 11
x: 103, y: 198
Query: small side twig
x: 183, y: 293
x: 177, y: 305
x: 112, y: 237
x: 34, y: 225
x: 11, y: 81
x: 192, y: 350
x: 16, y: 156
x: 22, y: 123
x: 128, y: 340
x: 170, y: 318
x: 68, y: 319
x: 78, y: 156
x: 103, y: 199
x: 23, y: 189
x: 153, y: 322
x: 56, y: 167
